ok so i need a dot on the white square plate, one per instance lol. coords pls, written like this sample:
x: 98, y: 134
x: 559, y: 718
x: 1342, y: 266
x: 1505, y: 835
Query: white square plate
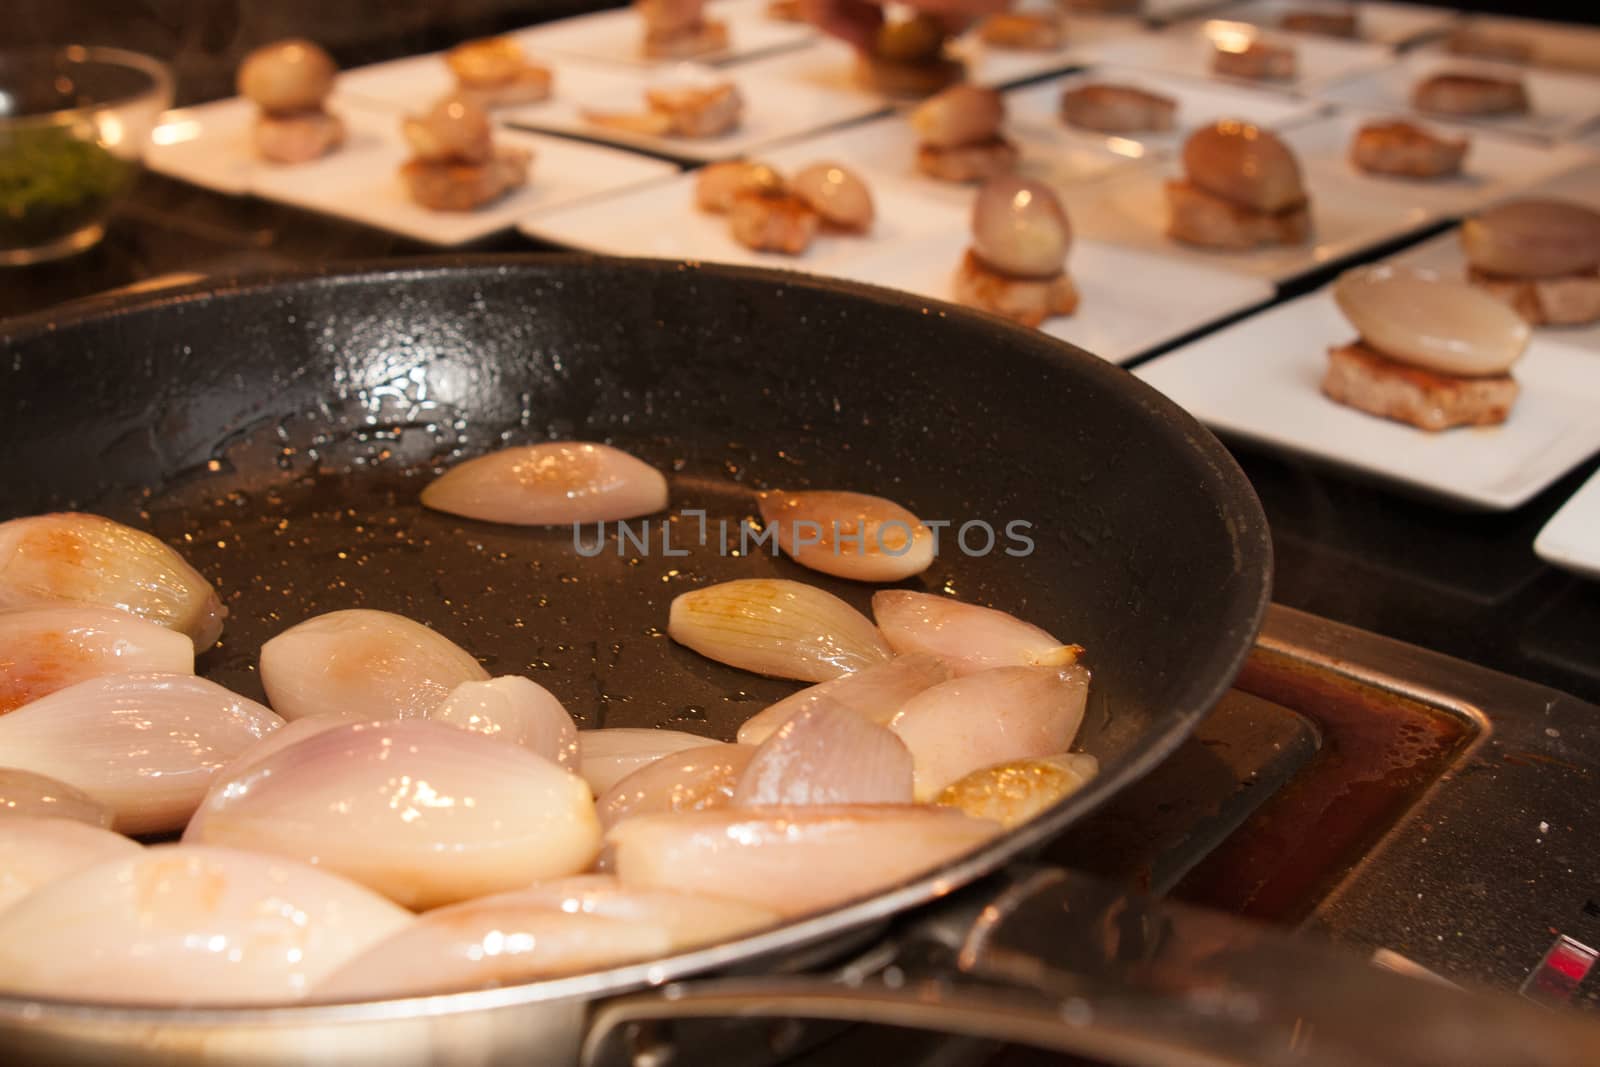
x: 1571, y: 539
x: 208, y: 145
x: 1188, y: 49
x: 617, y: 36
x: 1443, y: 253
x: 361, y: 182
x: 1349, y: 211
x: 1199, y: 103
x: 1560, y: 104
x: 1261, y: 379
x: 1380, y: 23
x: 915, y: 245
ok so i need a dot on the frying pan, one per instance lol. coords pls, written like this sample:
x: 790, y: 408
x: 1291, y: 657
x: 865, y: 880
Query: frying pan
x: 278, y: 431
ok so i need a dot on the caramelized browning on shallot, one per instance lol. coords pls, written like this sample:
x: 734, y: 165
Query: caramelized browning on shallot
x: 968, y: 637
x: 176, y: 924
x: 1008, y: 713
x: 48, y: 648
x: 145, y: 745
x: 795, y: 860
x: 424, y: 813
x: 554, y: 483
x: 73, y: 558
x: 363, y: 664
x: 848, y: 535
x: 776, y: 627
x: 1012, y: 793
x: 875, y: 693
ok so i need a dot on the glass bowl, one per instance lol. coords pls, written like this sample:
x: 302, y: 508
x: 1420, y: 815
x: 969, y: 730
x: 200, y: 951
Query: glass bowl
x: 73, y: 124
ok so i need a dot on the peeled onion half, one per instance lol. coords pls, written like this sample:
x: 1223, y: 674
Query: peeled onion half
x: 776, y: 627
x: 1418, y: 317
x: 549, y: 484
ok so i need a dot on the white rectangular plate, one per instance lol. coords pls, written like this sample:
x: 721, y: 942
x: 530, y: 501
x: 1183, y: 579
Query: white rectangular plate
x: 208, y: 145
x: 1350, y: 211
x: 1571, y: 539
x: 360, y: 182
x: 1380, y: 23
x: 1261, y: 379
x: 1443, y: 253
x: 1188, y: 49
x: 915, y: 245
x: 1560, y: 103
x: 617, y: 36
x: 1199, y: 103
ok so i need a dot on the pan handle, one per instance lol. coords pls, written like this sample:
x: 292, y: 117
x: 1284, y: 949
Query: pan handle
x: 1061, y: 961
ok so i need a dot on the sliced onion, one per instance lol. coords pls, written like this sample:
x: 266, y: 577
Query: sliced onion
x: 85, y: 559
x: 177, y: 925
x: 489, y: 942
x: 827, y: 754
x: 608, y: 756
x: 1012, y: 793
x: 35, y: 852
x: 1418, y: 317
x: 550, y: 484
x: 875, y: 693
x: 49, y: 648
x: 26, y: 793
x: 363, y: 664
x: 849, y: 535
x: 771, y: 626
x: 145, y: 745
x: 792, y: 860
x: 968, y: 637
x: 691, y: 780
x: 424, y: 813
x: 688, y: 919
x: 516, y: 710
x: 1008, y: 713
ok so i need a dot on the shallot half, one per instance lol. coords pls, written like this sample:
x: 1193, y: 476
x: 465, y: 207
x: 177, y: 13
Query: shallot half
x: 776, y: 627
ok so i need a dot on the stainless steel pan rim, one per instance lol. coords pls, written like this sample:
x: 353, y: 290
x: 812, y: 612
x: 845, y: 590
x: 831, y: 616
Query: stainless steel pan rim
x: 1250, y: 599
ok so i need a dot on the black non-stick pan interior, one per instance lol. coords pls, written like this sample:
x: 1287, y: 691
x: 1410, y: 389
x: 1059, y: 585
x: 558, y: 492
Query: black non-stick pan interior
x: 278, y: 433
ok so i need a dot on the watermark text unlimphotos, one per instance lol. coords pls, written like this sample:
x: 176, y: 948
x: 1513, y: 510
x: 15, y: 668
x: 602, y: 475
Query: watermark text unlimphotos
x: 892, y: 537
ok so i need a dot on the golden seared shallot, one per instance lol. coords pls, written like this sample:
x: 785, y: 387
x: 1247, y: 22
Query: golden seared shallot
x: 516, y: 710
x: 38, y: 795
x: 1110, y: 108
x: 73, y: 558
x: 144, y: 745
x: 1244, y: 56
x: 796, y: 859
x: 290, y: 81
x: 718, y: 184
x: 608, y: 756
x: 959, y: 135
x: 1014, y: 792
x: 968, y: 637
x: 875, y: 693
x: 1540, y: 256
x: 974, y: 721
x: 550, y: 484
x: 1406, y: 150
x: 455, y: 165
x: 776, y: 627
x: 48, y: 648
x: 1016, y: 265
x: 181, y: 925
x: 1431, y: 352
x: 766, y: 220
x: 424, y: 813
x: 1031, y: 31
x: 1464, y: 93
x: 37, y: 851
x: 1243, y: 189
x: 495, y: 72
x: 691, y: 780
x: 848, y: 535
x: 679, y: 29
x: 827, y: 754
x: 907, y: 57
x: 363, y: 664
x: 837, y: 195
